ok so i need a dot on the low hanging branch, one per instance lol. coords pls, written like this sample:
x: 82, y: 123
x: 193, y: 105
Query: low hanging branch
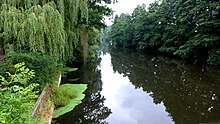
x: 43, y: 31
x: 45, y: 26
x: 84, y: 42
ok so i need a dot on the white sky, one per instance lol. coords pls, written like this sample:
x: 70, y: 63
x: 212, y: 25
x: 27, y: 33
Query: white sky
x: 126, y: 6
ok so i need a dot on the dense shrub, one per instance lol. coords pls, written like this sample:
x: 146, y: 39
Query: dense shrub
x: 44, y: 66
x: 61, y: 96
x: 3, y: 69
x: 214, y: 57
x: 67, y: 97
x: 17, y: 96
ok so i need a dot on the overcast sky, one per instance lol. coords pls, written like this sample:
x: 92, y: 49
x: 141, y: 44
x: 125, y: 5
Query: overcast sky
x: 126, y: 6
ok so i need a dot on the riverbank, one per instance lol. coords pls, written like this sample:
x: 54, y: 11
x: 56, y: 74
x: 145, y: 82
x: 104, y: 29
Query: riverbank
x: 43, y: 111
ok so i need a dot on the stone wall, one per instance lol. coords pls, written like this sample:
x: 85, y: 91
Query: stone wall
x: 43, y: 111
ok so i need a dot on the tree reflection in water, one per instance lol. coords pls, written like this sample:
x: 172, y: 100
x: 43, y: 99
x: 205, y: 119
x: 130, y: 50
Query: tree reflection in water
x: 92, y: 109
x: 190, y: 93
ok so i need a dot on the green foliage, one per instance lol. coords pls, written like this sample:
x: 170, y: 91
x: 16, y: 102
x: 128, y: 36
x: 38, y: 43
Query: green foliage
x: 51, y: 27
x: 47, y: 27
x: 189, y: 29
x: 62, y: 96
x: 66, y: 70
x: 45, y: 67
x: 37, y: 29
x: 214, y: 57
x: 121, y: 33
x: 94, y: 43
x: 67, y: 97
x: 17, y: 96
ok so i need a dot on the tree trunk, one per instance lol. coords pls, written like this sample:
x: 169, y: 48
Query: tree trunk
x: 84, y: 42
x: 1, y: 50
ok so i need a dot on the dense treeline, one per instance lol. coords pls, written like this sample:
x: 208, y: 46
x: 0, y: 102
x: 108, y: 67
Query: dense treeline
x: 188, y: 29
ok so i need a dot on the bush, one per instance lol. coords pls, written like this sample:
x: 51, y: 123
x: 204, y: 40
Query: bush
x: 44, y: 66
x: 67, y: 97
x: 61, y: 96
x: 214, y: 57
x: 3, y: 69
x: 17, y: 96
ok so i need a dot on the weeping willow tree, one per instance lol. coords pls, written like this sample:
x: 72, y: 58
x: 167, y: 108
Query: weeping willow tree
x: 75, y: 14
x: 51, y: 27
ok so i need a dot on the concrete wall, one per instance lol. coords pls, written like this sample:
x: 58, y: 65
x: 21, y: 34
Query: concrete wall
x: 45, y: 107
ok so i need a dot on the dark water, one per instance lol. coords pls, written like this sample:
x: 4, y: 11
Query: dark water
x: 135, y: 88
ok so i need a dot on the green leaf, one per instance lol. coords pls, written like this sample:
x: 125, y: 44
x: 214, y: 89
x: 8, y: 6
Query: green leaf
x: 78, y: 90
x: 73, y: 79
x: 2, y: 120
x: 16, y: 88
x: 68, y: 69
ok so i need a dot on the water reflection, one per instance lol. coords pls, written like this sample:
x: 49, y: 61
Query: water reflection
x: 92, y: 110
x: 135, y: 88
x: 128, y: 105
x: 189, y: 93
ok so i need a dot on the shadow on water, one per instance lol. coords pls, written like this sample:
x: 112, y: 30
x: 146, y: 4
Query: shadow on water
x: 92, y: 109
x: 189, y: 93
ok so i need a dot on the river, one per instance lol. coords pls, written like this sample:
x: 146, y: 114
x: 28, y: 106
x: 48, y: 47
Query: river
x: 135, y: 88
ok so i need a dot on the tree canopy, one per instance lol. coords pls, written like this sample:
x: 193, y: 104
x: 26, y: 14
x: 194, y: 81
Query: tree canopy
x: 188, y: 29
x: 53, y: 27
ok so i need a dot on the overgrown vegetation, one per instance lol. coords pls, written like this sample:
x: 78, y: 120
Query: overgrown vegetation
x: 62, y: 96
x: 57, y: 28
x: 44, y: 66
x: 17, y: 95
x: 188, y: 29
x: 66, y: 97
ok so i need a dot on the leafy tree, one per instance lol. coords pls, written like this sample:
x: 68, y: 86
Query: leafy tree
x: 140, y: 24
x: 57, y: 28
x: 47, y: 27
x: 206, y: 17
x: 121, y: 33
x: 188, y: 29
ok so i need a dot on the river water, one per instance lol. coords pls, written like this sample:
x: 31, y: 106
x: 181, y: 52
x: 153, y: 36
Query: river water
x: 135, y: 88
